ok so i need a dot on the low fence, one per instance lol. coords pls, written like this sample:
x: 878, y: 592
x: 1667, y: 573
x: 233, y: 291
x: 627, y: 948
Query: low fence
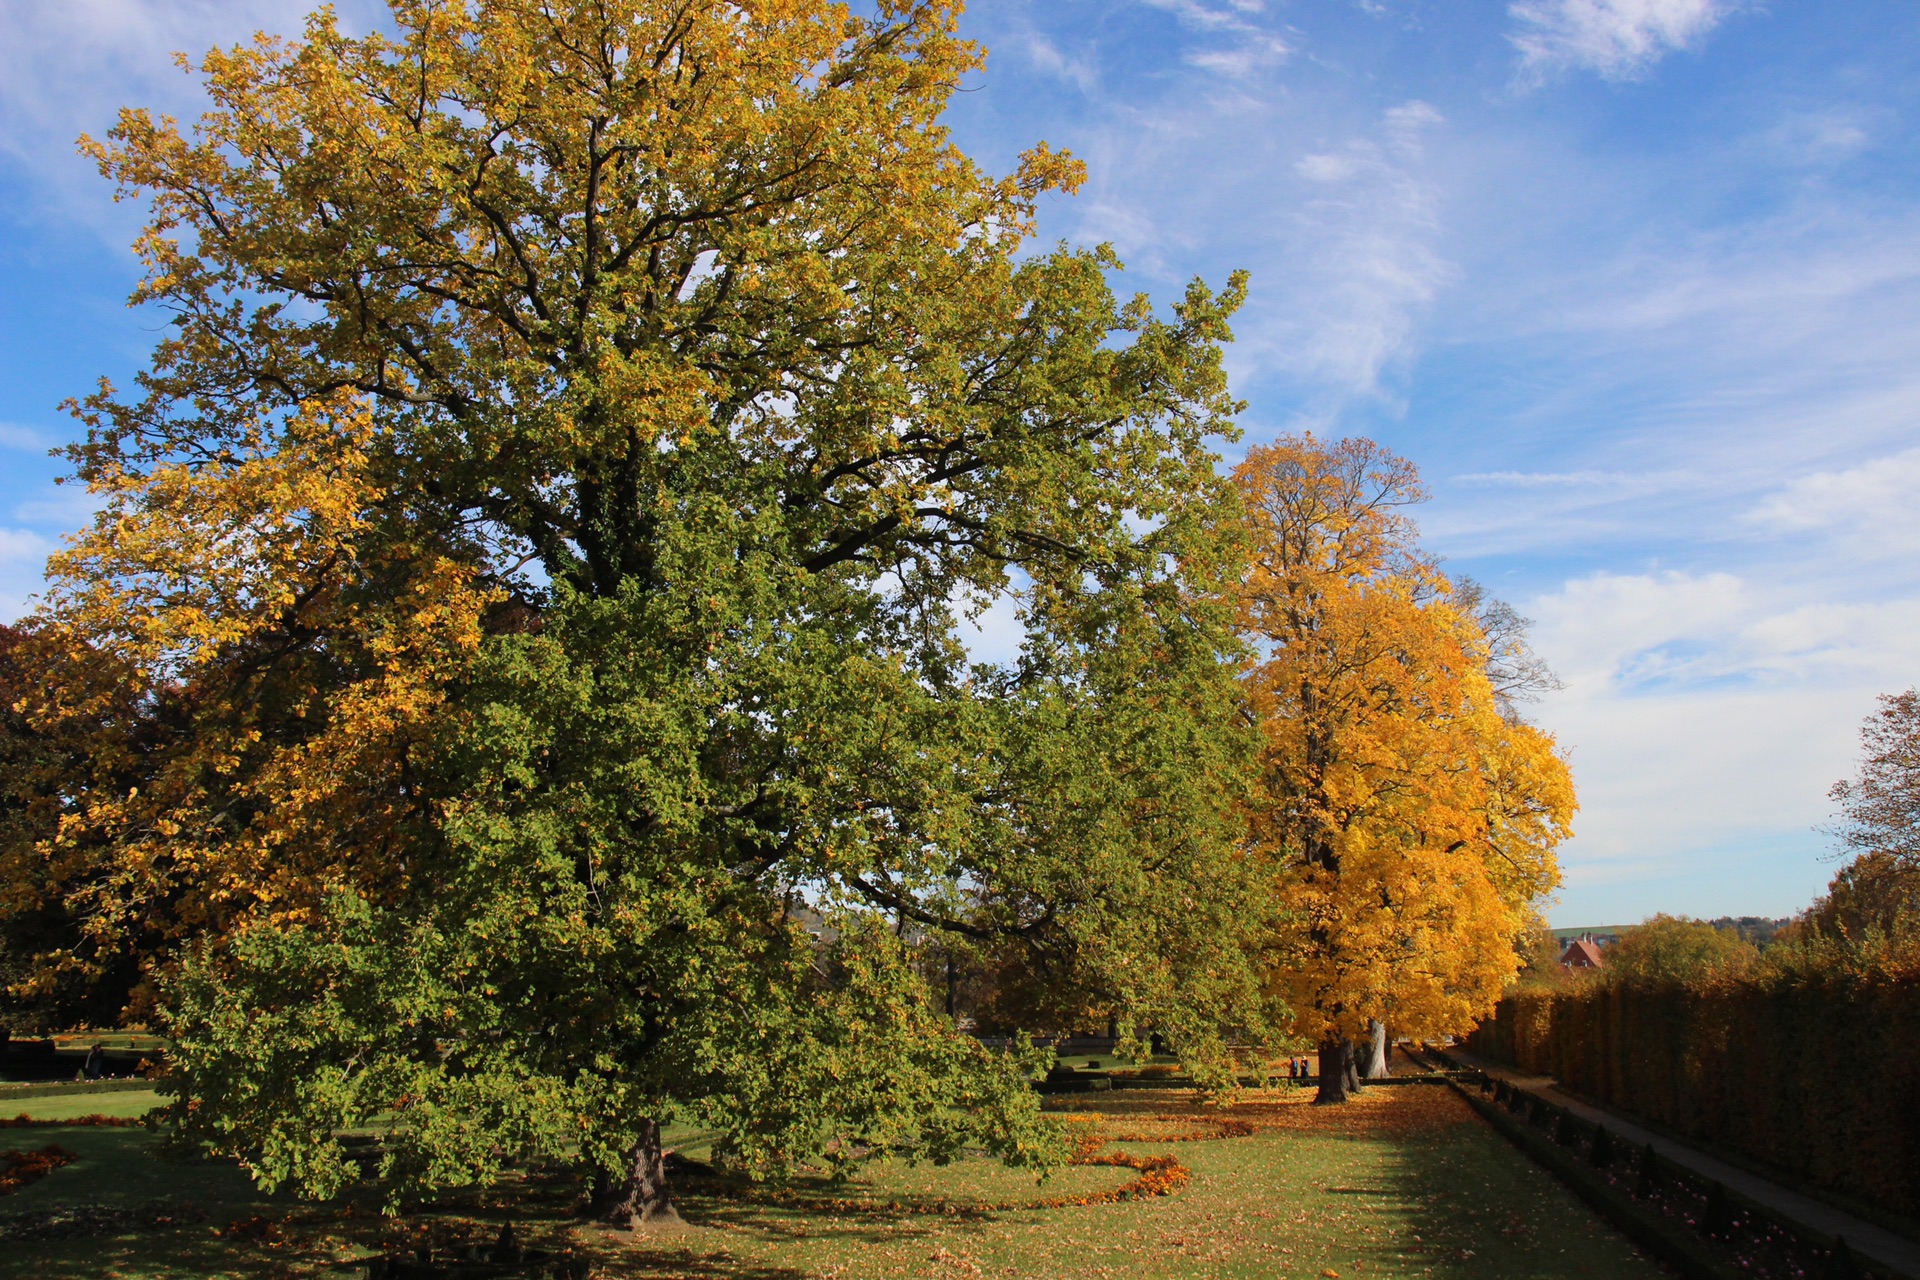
x: 1817, y: 1078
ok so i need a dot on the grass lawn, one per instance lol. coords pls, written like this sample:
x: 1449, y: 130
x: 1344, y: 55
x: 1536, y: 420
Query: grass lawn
x: 1404, y: 1182
x: 70, y: 1106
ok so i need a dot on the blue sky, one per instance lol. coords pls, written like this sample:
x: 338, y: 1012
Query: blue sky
x: 1635, y: 282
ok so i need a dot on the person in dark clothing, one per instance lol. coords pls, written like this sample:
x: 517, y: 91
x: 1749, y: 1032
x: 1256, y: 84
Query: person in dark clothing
x: 96, y: 1062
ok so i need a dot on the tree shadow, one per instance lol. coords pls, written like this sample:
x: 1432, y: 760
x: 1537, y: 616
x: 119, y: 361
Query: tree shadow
x: 1475, y: 1207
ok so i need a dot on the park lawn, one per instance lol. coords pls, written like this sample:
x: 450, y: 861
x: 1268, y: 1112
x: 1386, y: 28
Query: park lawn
x: 121, y: 1103
x: 1405, y: 1182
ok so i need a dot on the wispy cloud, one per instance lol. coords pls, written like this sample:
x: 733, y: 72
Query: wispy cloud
x: 1362, y: 245
x: 1617, y: 38
x: 1077, y: 68
x: 1705, y: 715
x: 1870, y: 505
x: 1248, y: 44
x: 61, y: 509
x: 1549, y: 479
x: 1817, y: 137
x: 25, y: 439
x: 68, y: 68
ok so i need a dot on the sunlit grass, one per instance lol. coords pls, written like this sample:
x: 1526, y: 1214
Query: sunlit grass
x: 122, y: 1103
x: 1404, y: 1183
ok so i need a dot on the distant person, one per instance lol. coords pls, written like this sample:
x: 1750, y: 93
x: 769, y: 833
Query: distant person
x: 96, y: 1062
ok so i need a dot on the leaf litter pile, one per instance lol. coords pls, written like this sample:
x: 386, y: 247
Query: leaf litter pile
x: 20, y: 1168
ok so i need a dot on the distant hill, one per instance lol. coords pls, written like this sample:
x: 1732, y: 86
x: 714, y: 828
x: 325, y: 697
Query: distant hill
x: 1758, y: 930
x: 1564, y: 936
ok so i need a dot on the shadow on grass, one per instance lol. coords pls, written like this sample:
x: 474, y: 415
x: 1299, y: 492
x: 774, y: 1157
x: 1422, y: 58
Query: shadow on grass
x: 1474, y: 1207
x: 644, y: 1264
x: 814, y: 1210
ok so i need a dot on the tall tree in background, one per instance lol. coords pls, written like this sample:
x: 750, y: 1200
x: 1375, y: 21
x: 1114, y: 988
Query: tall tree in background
x: 1880, y: 808
x: 529, y: 573
x: 1879, y: 823
x: 1408, y: 823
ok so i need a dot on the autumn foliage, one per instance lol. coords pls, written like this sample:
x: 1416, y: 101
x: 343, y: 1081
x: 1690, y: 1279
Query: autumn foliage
x: 1408, y: 824
x: 1807, y: 1060
x: 23, y: 1168
x: 514, y: 685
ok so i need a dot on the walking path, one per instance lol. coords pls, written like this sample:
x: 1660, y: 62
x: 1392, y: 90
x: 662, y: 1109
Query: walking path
x: 1883, y: 1246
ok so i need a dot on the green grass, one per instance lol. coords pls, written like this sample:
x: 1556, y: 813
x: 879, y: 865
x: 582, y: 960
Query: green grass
x: 125, y: 1103
x: 1405, y: 1183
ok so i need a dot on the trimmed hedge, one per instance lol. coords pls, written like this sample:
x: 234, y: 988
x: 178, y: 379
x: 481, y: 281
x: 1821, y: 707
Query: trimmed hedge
x: 1815, y: 1073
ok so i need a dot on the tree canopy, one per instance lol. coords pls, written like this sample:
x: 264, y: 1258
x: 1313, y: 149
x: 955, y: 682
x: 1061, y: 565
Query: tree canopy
x: 1675, y: 949
x: 1880, y: 808
x: 1878, y: 890
x: 530, y: 572
x: 1409, y: 825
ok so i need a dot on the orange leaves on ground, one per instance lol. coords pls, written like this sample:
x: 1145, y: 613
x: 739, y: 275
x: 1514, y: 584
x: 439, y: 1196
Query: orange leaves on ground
x: 24, y: 1121
x: 20, y: 1168
x: 1378, y: 1111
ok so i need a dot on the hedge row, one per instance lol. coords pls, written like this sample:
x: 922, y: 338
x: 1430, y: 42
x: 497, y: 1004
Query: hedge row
x: 1816, y: 1074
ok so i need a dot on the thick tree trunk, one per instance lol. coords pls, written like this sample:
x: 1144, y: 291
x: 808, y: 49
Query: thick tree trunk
x: 636, y: 1196
x: 1377, y: 1068
x: 1338, y: 1081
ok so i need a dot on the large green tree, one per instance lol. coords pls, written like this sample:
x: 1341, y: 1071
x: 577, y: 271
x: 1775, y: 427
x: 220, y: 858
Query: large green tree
x: 529, y: 587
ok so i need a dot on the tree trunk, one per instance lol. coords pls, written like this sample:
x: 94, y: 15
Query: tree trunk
x: 1337, y: 1081
x: 636, y: 1196
x: 1377, y: 1068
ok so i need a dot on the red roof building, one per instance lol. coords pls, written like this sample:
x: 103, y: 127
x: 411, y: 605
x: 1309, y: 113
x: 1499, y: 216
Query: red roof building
x: 1581, y: 953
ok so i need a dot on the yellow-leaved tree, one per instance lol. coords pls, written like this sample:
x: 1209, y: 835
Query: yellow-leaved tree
x: 531, y: 568
x: 1408, y: 824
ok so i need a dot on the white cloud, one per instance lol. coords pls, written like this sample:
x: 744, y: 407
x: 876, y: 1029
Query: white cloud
x: 1549, y: 479
x: 23, y: 545
x: 1608, y: 628
x: 1076, y: 69
x: 1361, y: 251
x: 1617, y: 38
x: 996, y: 634
x: 1871, y: 505
x: 1405, y: 124
x: 1816, y: 137
x: 1616, y: 634
x: 64, y: 508
x: 1250, y: 46
x: 23, y: 558
x: 1705, y: 715
x: 26, y: 439
x: 67, y: 68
